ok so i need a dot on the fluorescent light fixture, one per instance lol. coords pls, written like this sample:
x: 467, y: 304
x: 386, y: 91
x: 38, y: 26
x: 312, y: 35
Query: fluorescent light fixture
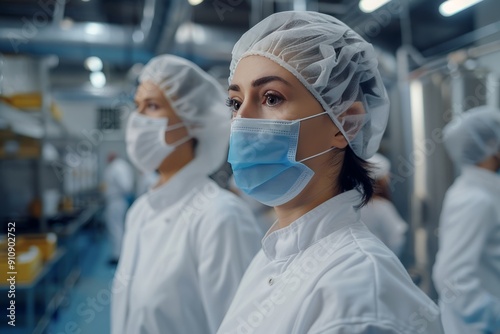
x: 195, y: 2
x: 369, y: 6
x: 189, y: 32
x: 183, y: 33
x: 451, y: 7
x: 93, y: 64
x: 97, y: 79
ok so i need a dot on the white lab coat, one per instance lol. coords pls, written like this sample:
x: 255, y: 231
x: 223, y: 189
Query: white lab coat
x: 327, y: 273
x: 467, y: 269
x: 383, y: 220
x: 119, y: 180
x: 187, y: 245
x: 147, y: 180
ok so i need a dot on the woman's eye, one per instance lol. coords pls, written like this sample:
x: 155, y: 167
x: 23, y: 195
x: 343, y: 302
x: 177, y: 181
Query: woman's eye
x: 272, y: 99
x: 152, y: 106
x: 233, y: 104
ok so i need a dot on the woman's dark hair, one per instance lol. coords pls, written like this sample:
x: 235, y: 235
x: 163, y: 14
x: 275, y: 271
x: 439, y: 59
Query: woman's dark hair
x: 354, y: 174
x: 381, y: 188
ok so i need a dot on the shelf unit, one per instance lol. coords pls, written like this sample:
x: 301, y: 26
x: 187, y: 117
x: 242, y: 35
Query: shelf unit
x: 23, y: 179
x: 52, y: 284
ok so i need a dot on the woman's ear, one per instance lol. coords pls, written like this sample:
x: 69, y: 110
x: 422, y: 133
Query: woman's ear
x: 339, y: 141
x: 356, y: 114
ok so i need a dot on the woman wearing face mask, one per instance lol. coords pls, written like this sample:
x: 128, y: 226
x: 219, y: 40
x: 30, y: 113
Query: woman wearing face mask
x: 309, y: 107
x: 467, y: 268
x: 187, y: 241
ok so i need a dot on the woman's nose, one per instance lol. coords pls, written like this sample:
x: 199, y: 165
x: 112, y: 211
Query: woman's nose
x: 246, y: 110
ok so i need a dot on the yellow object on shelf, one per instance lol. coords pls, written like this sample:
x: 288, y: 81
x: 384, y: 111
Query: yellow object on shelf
x: 66, y: 204
x: 13, y: 145
x: 46, y: 242
x: 24, y: 100
x: 31, y: 102
x: 56, y: 112
x: 27, y: 265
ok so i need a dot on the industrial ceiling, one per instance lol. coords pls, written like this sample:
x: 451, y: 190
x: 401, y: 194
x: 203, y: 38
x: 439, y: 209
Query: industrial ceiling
x: 125, y: 32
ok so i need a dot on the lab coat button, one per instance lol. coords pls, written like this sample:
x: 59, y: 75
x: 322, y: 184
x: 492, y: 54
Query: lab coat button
x: 271, y: 281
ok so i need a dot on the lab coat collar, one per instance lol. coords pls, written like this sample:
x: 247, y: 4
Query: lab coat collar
x: 179, y: 185
x: 318, y: 223
x: 483, y: 178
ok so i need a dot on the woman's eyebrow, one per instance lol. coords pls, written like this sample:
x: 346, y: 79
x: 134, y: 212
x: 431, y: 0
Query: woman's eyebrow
x: 260, y: 82
x: 264, y: 80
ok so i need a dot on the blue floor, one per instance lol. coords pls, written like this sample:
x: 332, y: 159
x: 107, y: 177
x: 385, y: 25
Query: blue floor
x: 87, y: 308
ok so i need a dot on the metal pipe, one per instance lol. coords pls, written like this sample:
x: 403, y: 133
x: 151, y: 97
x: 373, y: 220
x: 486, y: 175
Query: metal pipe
x: 438, y: 64
x: 331, y: 8
x: 464, y: 40
x: 58, y: 15
x: 44, y: 90
x: 299, y: 4
x: 405, y: 22
x: 255, y: 12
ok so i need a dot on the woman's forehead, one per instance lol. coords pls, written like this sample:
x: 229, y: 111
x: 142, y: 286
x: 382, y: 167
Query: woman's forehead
x: 254, y: 67
x: 148, y: 89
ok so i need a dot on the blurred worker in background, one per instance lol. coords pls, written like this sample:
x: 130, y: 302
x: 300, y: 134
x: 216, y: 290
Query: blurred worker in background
x: 188, y: 241
x: 467, y: 268
x: 309, y: 107
x: 119, y: 186
x: 379, y: 214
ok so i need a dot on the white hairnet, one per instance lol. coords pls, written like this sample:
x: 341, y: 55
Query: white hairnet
x: 333, y: 62
x: 199, y: 100
x: 474, y: 136
x: 381, y: 166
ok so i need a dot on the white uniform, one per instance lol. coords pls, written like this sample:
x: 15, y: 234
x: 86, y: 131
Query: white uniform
x: 326, y: 273
x: 187, y: 245
x: 467, y: 269
x: 146, y: 182
x: 383, y: 220
x: 119, y: 179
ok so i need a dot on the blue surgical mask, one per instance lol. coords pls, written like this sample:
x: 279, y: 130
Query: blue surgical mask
x: 262, y: 155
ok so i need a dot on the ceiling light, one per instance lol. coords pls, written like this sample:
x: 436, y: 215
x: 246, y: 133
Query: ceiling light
x: 97, y: 79
x: 195, y: 2
x: 451, y: 7
x: 93, y: 64
x: 369, y: 6
x: 189, y: 32
x: 183, y: 33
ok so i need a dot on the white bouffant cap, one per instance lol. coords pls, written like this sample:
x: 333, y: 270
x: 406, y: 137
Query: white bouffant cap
x: 199, y: 100
x: 473, y: 136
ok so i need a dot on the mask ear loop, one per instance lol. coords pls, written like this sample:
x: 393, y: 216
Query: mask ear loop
x: 309, y: 117
x: 182, y: 140
x: 317, y: 155
x: 175, y: 126
x: 320, y: 153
